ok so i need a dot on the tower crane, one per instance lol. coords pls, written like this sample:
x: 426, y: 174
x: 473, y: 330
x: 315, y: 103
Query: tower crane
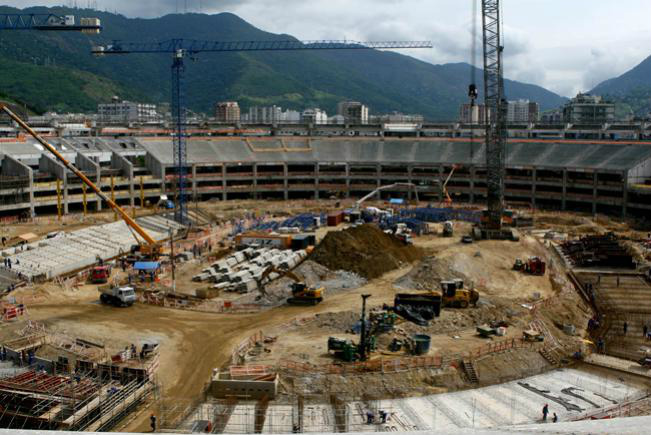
x: 495, y: 104
x: 48, y: 22
x: 181, y: 48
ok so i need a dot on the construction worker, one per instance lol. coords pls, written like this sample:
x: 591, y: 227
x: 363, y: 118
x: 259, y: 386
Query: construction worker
x: 370, y: 417
x: 152, y: 422
x: 645, y: 329
x: 625, y: 327
x: 555, y: 419
x: 545, y: 411
x: 383, y: 416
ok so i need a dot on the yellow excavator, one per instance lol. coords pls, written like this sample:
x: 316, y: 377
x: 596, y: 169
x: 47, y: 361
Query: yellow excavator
x: 150, y: 249
x: 302, y: 294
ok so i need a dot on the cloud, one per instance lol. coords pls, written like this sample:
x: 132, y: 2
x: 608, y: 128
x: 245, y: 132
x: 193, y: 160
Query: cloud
x: 565, y: 52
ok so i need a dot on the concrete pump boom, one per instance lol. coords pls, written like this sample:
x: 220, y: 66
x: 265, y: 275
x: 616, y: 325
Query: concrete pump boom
x: 153, y: 244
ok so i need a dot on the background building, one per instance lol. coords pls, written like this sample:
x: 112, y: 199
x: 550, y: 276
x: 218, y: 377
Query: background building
x: 472, y: 114
x: 227, y: 111
x: 353, y: 112
x: 264, y: 114
x: 397, y: 118
x: 522, y: 111
x: 314, y: 116
x: 588, y: 109
x: 126, y: 112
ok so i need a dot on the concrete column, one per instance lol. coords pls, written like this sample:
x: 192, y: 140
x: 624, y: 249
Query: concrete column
x: 441, y: 181
x: 86, y: 164
x: 126, y: 167
x: 286, y: 181
x: 624, y: 193
x: 195, y: 196
x: 15, y: 168
x: 224, y: 194
x: 594, y: 193
x: 534, y: 176
x: 347, y: 180
x: 255, y: 180
x: 564, y: 198
x: 410, y: 179
x: 317, y: 173
x: 472, y: 184
x: 378, y: 174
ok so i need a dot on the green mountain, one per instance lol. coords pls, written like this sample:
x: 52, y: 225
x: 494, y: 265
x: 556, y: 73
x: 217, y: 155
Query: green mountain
x: 55, y: 70
x: 630, y: 91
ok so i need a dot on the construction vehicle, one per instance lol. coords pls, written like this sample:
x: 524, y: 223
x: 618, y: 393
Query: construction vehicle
x: 118, y: 296
x: 533, y: 266
x: 345, y: 350
x: 645, y: 361
x: 532, y: 335
x: 302, y: 294
x: 100, y: 274
x: 454, y: 295
x: 448, y: 229
x: 150, y: 249
x: 446, y: 198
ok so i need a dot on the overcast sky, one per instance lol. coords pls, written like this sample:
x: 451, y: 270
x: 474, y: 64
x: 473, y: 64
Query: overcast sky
x: 564, y: 45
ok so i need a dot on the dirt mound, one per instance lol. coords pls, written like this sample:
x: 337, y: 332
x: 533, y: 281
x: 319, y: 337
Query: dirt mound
x: 365, y: 250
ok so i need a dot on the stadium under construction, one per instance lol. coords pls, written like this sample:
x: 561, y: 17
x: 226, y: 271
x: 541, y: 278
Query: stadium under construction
x: 592, y: 176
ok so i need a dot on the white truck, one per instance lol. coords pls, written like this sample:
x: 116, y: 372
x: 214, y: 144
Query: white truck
x: 118, y: 296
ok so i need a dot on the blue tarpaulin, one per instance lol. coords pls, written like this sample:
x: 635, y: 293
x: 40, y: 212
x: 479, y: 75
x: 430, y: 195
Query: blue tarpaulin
x: 146, y: 265
x: 398, y: 201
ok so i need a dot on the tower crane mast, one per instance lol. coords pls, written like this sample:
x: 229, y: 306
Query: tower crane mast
x: 496, y: 133
x: 181, y: 48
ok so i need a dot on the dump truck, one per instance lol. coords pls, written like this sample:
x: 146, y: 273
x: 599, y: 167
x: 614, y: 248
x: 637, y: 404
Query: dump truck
x: 455, y: 296
x: 100, y: 274
x: 118, y: 296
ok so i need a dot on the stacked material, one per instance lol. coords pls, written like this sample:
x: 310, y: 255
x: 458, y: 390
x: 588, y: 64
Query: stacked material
x: 244, y: 270
x: 67, y: 252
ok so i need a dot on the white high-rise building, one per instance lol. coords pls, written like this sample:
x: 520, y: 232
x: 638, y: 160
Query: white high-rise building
x: 126, y: 112
x: 522, y: 111
x: 314, y: 116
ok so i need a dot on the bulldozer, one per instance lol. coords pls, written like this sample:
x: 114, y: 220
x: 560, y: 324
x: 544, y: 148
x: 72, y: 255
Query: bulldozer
x: 453, y: 295
x: 302, y: 294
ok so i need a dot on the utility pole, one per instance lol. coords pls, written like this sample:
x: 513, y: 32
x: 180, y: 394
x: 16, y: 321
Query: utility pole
x: 363, y: 339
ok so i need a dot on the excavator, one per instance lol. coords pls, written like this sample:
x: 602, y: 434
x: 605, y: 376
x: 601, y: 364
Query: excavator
x: 150, y: 249
x: 302, y: 294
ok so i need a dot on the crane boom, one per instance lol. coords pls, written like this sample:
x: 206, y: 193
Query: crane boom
x: 48, y: 22
x: 191, y: 46
x: 130, y: 221
x: 495, y: 107
x: 390, y: 186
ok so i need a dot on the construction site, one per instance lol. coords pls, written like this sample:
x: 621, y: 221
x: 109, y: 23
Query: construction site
x: 246, y: 285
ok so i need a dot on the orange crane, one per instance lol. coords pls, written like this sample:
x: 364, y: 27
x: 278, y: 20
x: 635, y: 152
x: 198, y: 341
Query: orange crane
x: 447, y: 198
x: 152, y: 248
